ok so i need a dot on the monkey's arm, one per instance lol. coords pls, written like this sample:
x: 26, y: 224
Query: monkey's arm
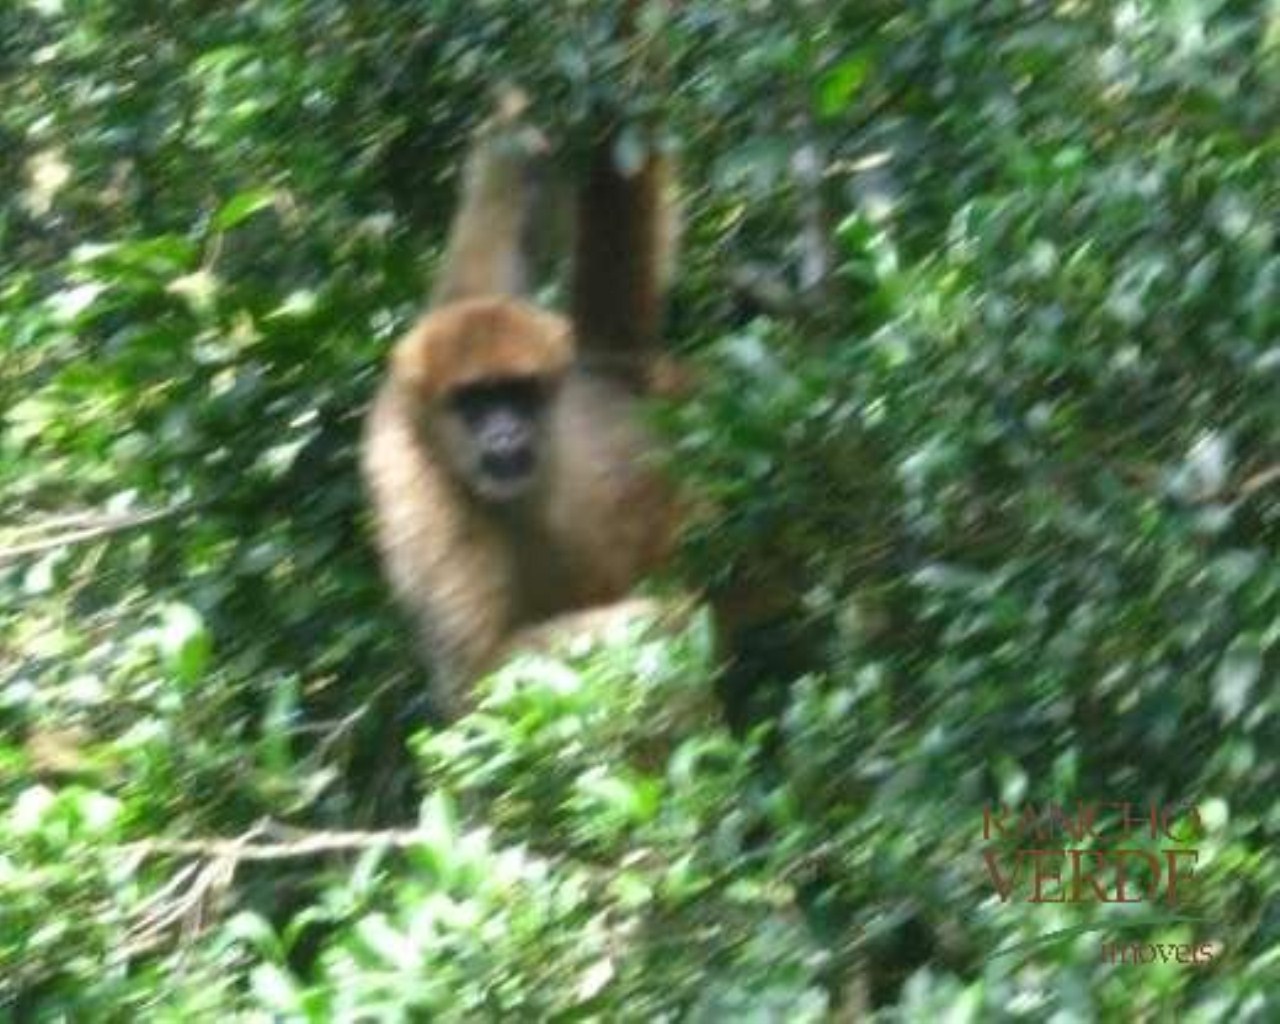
x: 623, y: 255
x: 449, y: 574
x: 486, y: 252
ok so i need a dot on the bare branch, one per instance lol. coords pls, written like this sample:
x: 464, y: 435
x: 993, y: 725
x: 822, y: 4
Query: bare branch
x: 311, y: 844
x: 1260, y: 481
x: 104, y: 527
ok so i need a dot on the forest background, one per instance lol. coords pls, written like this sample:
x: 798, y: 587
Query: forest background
x: 984, y: 302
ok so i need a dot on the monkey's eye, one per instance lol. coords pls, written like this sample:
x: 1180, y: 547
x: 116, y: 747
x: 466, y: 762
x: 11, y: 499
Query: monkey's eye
x: 524, y: 395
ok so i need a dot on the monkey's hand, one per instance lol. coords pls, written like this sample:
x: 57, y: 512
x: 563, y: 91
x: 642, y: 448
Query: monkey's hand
x: 508, y: 130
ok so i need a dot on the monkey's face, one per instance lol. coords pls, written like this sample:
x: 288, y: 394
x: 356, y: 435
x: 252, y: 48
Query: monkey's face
x: 494, y: 431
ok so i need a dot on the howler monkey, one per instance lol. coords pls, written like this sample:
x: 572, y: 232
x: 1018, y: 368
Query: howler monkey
x: 510, y: 478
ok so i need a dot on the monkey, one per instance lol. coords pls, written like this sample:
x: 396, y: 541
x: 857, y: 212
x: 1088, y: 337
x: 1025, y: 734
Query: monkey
x: 487, y: 248
x: 511, y: 479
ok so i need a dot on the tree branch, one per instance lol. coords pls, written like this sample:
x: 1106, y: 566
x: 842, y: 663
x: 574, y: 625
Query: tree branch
x: 309, y: 845
x: 104, y: 527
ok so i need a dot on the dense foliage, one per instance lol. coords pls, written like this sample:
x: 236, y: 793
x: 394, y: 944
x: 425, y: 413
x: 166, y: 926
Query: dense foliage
x: 984, y: 300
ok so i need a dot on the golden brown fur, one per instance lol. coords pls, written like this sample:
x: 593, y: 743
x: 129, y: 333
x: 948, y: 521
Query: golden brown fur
x: 480, y: 576
x: 472, y: 340
x: 484, y: 255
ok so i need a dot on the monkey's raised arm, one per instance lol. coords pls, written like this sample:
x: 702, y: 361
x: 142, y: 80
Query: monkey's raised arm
x: 486, y: 252
x: 622, y: 257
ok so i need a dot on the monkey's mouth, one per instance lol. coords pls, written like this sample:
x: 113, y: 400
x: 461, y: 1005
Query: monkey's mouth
x: 507, y: 474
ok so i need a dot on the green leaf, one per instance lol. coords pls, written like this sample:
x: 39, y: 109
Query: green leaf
x: 838, y: 87
x: 241, y: 207
x: 185, y: 643
x: 1238, y: 672
x: 275, y: 988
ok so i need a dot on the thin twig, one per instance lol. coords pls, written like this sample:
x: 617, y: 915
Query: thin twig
x: 1259, y: 481
x: 309, y: 845
x: 65, y: 521
x: 105, y: 527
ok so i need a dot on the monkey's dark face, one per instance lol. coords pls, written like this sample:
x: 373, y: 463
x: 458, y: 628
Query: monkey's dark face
x: 494, y: 432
